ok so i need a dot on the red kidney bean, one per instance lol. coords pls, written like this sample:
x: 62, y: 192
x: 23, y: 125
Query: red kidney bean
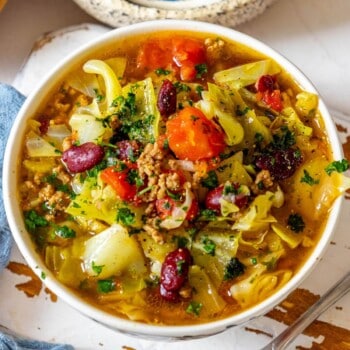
x: 83, y: 157
x: 174, y: 272
x: 168, y: 295
x: 128, y: 150
x: 213, y: 197
x: 281, y: 163
x: 166, y: 102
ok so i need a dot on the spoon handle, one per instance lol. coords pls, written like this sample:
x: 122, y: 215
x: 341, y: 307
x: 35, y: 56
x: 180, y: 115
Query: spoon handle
x: 332, y: 295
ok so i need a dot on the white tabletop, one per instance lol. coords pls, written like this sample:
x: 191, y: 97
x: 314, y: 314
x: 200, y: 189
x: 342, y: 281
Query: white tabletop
x: 313, y: 34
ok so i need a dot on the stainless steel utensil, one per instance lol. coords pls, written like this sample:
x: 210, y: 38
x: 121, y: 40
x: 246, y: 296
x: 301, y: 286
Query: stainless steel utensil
x: 338, y: 290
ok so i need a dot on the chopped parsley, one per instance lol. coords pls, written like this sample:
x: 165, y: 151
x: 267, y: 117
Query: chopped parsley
x: 125, y: 216
x: 179, y: 266
x: 201, y: 69
x: 99, y: 96
x: 181, y: 87
x: 209, y: 246
x: 43, y: 275
x: 283, y: 140
x: 308, y: 179
x: 134, y: 178
x: 105, y: 286
x: 162, y: 71
x: 194, y: 308
x: 64, y: 232
x: 199, y: 89
x: 96, y: 268
x: 181, y: 241
x: 233, y: 269
x: 339, y: 166
x: 296, y: 223
x: 33, y: 220
x: 211, y: 181
x: 208, y: 214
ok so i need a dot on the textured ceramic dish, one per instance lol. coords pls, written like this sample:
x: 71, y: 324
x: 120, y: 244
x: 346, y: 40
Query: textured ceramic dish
x: 23, y: 239
x: 118, y: 13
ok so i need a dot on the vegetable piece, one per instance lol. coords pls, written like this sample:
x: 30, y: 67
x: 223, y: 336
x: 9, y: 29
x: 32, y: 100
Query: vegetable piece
x: 83, y: 157
x: 296, y: 222
x: 116, y: 251
x: 246, y: 74
x: 39, y: 147
x: 257, y: 216
x: 113, y: 88
x: 206, y: 293
x: 137, y: 111
x: 189, y: 55
x: 294, y: 123
x: 317, y: 188
x: 217, y: 103
x: 178, y: 212
x: 292, y: 239
x: 193, y: 137
x: 306, y: 104
x: 119, y: 181
x: 259, y: 285
x: 232, y: 169
x: 86, y: 128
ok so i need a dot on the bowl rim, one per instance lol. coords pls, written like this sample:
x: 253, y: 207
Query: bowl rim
x: 26, y: 246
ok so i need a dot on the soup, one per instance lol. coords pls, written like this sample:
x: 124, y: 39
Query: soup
x: 177, y: 178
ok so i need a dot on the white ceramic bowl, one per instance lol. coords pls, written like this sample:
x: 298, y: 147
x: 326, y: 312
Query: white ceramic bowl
x: 24, y: 241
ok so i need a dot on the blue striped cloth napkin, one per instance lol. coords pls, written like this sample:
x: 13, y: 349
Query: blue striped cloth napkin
x: 10, y: 103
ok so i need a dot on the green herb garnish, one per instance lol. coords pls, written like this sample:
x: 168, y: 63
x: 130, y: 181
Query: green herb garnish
x: 339, y: 166
x: 296, y: 223
x: 308, y: 179
x: 194, y: 308
x: 233, y: 269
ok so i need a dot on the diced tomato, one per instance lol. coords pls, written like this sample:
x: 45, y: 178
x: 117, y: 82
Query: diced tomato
x: 193, y: 136
x: 118, y: 180
x: 165, y: 206
x: 187, y: 54
x: 273, y: 99
x: 193, y: 211
x: 179, y: 54
x: 155, y: 54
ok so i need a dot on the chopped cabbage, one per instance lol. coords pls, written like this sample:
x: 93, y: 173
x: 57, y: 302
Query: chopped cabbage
x: 246, y: 74
x: 291, y: 238
x: 257, y: 216
x: 252, y: 125
x: 112, y: 85
x: 217, y: 103
x: 143, y: 123
x: 306, y: 104
x: 115, y: 252
x: 39, y: 147
x: 232, y: 169
x: 39, y: 165
x: 259, y: 285
x: 86, y: 128
x: 205, y: 291
x: 294, y: 123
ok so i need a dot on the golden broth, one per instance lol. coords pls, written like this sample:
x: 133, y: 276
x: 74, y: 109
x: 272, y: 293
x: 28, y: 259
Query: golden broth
x: 108, y: 229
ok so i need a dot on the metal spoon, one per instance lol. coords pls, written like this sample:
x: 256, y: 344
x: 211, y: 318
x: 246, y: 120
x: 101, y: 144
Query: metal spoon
x: 332, y: 295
